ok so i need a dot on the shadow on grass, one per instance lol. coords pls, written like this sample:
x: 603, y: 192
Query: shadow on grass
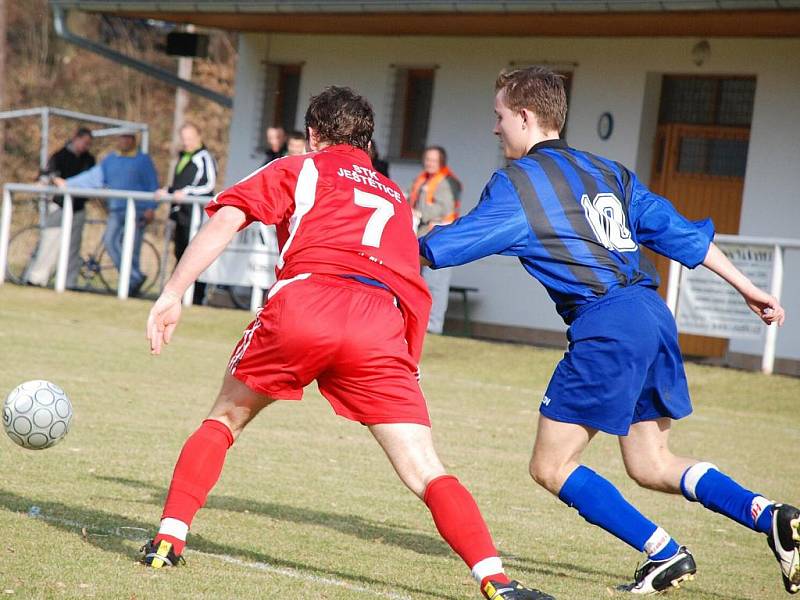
x: 368, y: 530
x: 353, y: 525
x: 109, y: 532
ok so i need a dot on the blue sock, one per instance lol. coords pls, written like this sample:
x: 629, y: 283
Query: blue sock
x: 600, y: 503
x: 705, y: 484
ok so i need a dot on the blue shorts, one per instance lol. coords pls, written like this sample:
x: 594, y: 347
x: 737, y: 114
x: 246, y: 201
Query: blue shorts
x: 623, y: 365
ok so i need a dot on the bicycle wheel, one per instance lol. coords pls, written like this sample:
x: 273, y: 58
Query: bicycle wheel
x: 149, y: 264
x: 21, y: 248
x: 92, y: 278
x: 240, y: 296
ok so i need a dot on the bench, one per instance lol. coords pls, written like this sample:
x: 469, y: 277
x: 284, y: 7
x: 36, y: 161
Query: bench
x: 464, y: 293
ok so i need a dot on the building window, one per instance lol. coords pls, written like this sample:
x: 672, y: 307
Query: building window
x: 282, y: 90
x: 725, y: 101
x: 413, y: 98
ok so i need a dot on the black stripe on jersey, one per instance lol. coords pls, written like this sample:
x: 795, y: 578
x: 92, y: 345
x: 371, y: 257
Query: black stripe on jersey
x: 645, y: 266
x: 610, y: 179
x: 590, y: 184
x: 575, y: 214
x: 540, y: 223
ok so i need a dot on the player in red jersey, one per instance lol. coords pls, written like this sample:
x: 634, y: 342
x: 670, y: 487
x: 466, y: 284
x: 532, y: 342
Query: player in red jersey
x: 349, y: 309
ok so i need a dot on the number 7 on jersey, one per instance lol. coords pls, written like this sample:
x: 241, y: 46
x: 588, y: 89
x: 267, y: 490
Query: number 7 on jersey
x: 384, y: 210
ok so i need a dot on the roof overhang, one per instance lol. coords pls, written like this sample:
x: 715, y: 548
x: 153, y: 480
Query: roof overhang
x: 592, y: 18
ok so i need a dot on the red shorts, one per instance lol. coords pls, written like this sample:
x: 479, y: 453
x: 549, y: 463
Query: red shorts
x: 347, y: 335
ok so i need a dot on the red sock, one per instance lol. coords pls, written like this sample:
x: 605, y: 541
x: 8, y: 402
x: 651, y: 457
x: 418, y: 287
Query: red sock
x: 460, y: 523
x: 196, y: 472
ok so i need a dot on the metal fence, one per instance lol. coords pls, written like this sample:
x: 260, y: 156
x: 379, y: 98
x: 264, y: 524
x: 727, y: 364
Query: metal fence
x: 132, y: 197
x: 779, y: 247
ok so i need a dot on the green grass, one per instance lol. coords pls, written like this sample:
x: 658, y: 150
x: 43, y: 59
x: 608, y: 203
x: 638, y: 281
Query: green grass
x: 308, y: 506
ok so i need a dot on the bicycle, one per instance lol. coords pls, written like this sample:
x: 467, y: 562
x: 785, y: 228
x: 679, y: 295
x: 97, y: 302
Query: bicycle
x: 97, y: 272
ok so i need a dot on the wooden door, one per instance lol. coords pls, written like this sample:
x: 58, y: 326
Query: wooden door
x: 700, y: 169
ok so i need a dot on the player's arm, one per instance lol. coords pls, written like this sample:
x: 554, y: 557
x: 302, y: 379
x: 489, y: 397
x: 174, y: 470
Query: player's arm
x: 664, y: 230
x: 204, y: 249
x: 497, y: 225
x: 763, y: 304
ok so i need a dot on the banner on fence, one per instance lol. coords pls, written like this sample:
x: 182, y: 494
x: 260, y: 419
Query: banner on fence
x: 249, y: 260
x: 708, y: 305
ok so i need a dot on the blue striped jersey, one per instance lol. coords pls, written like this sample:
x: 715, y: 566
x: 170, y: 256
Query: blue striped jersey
x: 576, y: 222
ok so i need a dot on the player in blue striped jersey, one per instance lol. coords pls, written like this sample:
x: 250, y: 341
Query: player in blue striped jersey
x: 577, y: 222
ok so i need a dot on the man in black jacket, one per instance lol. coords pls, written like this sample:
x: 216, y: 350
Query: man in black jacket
x: 70, y: 160
x: 195, y: 175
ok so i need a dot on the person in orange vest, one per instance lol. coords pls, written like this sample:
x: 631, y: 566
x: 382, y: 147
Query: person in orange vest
x: 435, y: 198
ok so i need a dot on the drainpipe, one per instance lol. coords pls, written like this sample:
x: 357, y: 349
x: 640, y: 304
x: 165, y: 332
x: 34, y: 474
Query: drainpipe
x: 63, y: 31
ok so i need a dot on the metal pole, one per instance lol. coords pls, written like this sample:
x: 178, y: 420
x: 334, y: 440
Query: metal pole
x: 5, y: 233
x: 169, y: 234
x: 127, y: 250
x: 194, y: 225
x: 45, y: 139
x: 145, y: 141
x: 770, y: 341
x: 256, y: 298
x: 63, y: 251
x: 673, y: 285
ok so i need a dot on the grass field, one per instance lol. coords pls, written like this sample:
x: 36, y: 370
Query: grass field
x: 308, y: 507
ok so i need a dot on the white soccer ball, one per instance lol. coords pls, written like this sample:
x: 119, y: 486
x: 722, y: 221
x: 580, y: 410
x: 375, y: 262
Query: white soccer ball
x: 36, y: 414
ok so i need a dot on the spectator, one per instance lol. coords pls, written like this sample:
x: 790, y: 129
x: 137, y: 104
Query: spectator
x: 72, y: 159
x: 276, y: 143
x: 435, y: 198
x: 380, y: 165
x: 195, y: 175
x: 124, y: 169
x: 296, y: 144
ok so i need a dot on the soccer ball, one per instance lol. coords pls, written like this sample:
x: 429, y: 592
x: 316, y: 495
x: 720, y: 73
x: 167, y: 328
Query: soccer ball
x: 36, y: 414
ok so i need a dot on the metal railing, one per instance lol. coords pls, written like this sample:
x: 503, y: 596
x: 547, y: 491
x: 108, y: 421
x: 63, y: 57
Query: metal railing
x: 132, y: 197
x: 779, y: 246
x: 113, y: 126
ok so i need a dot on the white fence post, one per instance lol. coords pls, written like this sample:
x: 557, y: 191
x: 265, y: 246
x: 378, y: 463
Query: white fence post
x: 673, y: 286
x: 127, y: 250
x: 5, y: 233
x: 63, y: 250
x: 194, y: 225
x: 770, y: 340
x: 256, y: 299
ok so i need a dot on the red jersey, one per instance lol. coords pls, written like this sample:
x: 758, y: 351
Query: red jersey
x: 336, y: 215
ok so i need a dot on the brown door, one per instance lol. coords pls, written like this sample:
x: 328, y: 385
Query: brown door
x: 700, y: 169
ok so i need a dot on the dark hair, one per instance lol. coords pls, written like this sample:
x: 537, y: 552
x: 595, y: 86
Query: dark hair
x: 83, y: 132
x: 538, y: 89
x: 339, y: 115
x: 296, y: 135
x: 442, y: 153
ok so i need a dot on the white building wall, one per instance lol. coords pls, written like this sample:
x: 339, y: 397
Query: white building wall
x: 615, y: 75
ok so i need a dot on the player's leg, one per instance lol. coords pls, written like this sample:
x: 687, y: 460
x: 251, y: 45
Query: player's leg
x: 555, y: 466
x: 199, y: 466
x: 649, y: 461
x: 409, y: 447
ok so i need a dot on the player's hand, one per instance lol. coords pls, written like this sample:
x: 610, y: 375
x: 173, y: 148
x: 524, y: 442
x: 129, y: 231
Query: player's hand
x: 765, y: 306
x: 160, y: 193
x: 179, y: 194
x: 163, y: 319
x: 60, y: 182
